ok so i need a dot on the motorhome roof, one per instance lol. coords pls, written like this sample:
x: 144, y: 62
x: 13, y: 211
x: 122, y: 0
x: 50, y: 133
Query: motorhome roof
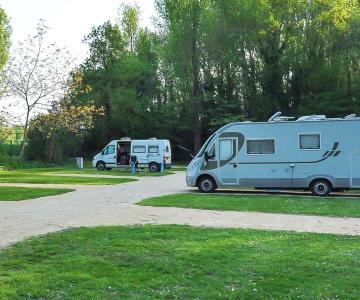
x: 278, y: 118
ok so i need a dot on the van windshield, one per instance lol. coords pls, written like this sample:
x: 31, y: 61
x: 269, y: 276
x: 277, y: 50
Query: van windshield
x: 203, y: 148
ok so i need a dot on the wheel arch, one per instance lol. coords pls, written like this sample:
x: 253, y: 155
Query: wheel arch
x: 206, y: 175
x: 325, y: 178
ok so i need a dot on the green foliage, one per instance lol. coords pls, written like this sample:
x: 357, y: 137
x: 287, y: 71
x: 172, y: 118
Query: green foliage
x: 178, y: 262
x: 214, y: 62
x: 340, y: 207
x: 5, y: 32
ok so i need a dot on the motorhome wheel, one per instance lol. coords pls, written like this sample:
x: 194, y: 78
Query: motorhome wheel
x: 321, y: 187
x: 206, y: 185
x: 154, y: 167
x: 100, y: 166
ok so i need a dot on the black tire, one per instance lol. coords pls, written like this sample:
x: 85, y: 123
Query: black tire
x: 321, y: 187
x: 101, y: 166
x: 206, y: 184
x: 154, y: 167
x: 108, y: 169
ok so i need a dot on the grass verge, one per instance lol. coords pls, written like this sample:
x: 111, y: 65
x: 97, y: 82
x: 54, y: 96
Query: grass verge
x: 20, y: 193
x: 33, y: 177
x: 329, y: 206
x: 178, y: 262
x: 91, y: 171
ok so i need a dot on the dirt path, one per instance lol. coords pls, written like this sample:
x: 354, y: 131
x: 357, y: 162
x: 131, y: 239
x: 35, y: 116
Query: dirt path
x: 114, y: 205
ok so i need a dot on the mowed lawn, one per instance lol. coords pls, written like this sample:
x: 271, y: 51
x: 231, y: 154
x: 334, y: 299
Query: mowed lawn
x: 92, y: 171
x: 26, y: 176
x: 20, y: 193
x: 329, y: 206
x: 179, y: 262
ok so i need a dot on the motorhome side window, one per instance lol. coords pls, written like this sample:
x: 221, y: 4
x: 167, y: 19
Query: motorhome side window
x: 139, y: 149
x: 260, y: 146
x: 153, y: 149
x: 309, y: 141
x: 109, y: 150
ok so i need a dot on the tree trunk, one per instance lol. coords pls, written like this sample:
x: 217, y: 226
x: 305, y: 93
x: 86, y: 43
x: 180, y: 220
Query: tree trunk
x: 196, y: 92
x: 23, y: 145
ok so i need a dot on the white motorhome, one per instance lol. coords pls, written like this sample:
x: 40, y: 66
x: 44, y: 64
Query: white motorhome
x: 150, y: 153
x: 311, y: 153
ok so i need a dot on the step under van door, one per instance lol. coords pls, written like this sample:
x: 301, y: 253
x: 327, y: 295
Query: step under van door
x: 228, y: 165
x: 355, y: 168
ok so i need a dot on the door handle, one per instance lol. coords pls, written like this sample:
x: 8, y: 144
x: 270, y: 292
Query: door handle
x: 234, y: 165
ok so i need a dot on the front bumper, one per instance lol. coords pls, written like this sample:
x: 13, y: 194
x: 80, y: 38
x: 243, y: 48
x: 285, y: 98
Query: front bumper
x: 190, y: 181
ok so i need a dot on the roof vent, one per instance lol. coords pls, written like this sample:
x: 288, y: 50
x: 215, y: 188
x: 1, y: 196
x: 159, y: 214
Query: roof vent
x: 352, y: 116
x: 153, y: 138
x: 125, y: 139
x: 312, y: 118
x: 274, y: 116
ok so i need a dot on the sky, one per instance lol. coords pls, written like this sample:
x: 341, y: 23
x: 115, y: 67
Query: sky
x: 69, y: 20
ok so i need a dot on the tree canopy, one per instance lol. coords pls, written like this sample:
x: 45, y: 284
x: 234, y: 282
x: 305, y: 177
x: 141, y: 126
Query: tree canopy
x: 212, y: 62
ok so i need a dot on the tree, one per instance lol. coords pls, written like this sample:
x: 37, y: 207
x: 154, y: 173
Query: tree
x: 5, y: 32
x: 36, y: 76
x: 63, y: 123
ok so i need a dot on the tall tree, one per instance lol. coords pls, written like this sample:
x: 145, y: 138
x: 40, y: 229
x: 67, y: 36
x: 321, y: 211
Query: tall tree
x: 36, y: 76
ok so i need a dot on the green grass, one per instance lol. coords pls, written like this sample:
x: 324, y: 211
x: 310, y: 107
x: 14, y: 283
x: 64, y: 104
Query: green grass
x: 20, y: 193
x: 345, y: 207
x: 33, y: 177
x: 92, y: 171
x: 178, y: 262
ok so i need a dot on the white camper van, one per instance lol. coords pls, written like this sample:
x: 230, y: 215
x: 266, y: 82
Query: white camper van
x: 150, y: 153
x: 311, y: 153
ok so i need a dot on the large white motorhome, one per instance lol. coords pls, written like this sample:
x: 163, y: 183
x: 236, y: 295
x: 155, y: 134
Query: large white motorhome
x: 311, y: 153
x: 150, y: 153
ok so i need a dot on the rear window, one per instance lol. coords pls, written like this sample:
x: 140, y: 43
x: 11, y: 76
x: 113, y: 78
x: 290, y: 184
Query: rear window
x: 153, y: 149
x: 139, y: 149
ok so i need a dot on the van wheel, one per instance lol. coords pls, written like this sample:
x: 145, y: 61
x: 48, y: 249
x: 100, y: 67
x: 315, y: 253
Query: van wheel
x: 206, y: 184
x: 100, y: 166
x: 321, y: 187
x: 154, y: 167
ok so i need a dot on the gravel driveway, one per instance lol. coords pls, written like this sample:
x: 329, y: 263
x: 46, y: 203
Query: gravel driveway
x: 114, y: 205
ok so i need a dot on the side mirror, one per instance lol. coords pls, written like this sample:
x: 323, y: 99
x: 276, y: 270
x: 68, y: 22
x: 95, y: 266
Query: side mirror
x: 206, y: 156
x: 102, y: 152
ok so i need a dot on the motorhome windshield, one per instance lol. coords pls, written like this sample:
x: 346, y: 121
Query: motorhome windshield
x: 203, y: 148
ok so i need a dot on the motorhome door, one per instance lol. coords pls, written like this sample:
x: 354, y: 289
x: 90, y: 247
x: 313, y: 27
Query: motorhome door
x: 355, y: 169
x: 228, y: 166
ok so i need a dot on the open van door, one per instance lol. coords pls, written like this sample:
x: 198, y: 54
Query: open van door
x: 355, y: 168
x: 228, y: 165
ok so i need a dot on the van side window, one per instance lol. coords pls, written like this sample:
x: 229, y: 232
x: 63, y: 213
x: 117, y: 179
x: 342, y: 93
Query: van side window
x: 139, y: 149
x: 225, y: 149
x: 309, y: 141
x: 212, y: 153
x: 153, y: 149
x: 109, y: 150
x: 260, y: 146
